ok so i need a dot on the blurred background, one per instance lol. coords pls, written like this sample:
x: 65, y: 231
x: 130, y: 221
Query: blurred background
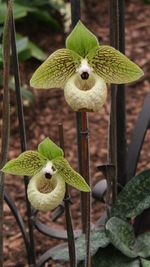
x: 41, y: 28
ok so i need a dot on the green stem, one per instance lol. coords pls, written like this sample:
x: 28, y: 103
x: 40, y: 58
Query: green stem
x: 6, y: 114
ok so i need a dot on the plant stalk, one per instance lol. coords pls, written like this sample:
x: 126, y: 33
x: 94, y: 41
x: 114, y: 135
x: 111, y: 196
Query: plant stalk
x: 69, y: 226
x: 5, y: 114
x: 31, y: 249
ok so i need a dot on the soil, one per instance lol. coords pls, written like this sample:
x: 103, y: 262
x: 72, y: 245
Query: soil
x: 49, y: 109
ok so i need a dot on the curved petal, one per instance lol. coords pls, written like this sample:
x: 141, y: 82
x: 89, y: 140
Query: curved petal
x: 46, y: 194
x: 87, y: 94
x: 56, y: 70
x: 28, y: 163
x: 70, y: 176
x: 113, y: 66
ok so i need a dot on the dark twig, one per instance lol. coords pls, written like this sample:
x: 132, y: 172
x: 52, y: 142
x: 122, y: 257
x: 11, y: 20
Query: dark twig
x: 117, y: 142
x: 86, y: 197
x: 6, y: 114
x: 69, y: 226
x: 31, y: 250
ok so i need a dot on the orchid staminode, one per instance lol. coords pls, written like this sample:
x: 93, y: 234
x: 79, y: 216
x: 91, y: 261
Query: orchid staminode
x: 50, y: 171
x: 83, y: 68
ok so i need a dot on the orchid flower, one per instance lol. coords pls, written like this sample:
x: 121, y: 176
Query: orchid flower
x: 50, y: 171
x: 83, y: 68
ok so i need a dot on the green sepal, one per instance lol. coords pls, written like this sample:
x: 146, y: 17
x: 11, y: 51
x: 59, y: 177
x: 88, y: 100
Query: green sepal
x: 28, y: 163
x: 121, y: 235
x: 56, y: 69
x: 113, y: 66
x: 70, y: 176
x: 49, y: 149
x: 81, y: 40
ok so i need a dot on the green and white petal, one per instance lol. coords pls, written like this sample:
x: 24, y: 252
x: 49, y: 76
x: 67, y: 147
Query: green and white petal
x: 28, y: 163
x: 113, y: 66
x: 56, y: 70
x: 46, y: 194
x: 70, y: 176
x: 87, y: 94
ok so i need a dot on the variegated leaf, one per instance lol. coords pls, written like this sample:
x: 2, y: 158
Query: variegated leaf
x: 113, y: 66
x: 56, y: 70
x: 28, y: 163
x: 70, y: 176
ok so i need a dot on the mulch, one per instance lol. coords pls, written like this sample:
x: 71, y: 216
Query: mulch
x: 49, y: 109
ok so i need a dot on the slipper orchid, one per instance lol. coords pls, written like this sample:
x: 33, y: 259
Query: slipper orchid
x: 50, y: 171
x: 83, y: 68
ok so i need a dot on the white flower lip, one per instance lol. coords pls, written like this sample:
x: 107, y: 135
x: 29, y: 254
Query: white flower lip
x: 45, y: 194
x: 89, y: 94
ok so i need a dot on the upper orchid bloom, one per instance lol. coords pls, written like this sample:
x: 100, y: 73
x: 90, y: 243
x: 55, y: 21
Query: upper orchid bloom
x: 50, y: 171
x: 83, y: 69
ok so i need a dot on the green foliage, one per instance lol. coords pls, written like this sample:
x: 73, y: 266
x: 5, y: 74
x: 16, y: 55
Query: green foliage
x: 111, y: 257
x: 121, y: 235
x: 98, y: 239
x: 145, y: 263
x: 134, y: 198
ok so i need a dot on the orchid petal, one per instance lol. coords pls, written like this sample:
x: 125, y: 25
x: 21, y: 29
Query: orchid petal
x: 112, y: 65
x: 70, y: 176
x: 28, y: 163
x: 56, y: 70
x: 49, y: 149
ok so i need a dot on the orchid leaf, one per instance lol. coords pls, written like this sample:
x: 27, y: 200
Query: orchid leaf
x: 28, y: 163
x: 49, y: 149
x: 142, y: 245
x: 111, y: 257
x: 98, y: 239
x: 145, y: 263
x: 112, y: 66
x: 56, y: 69
x: 121, y: 235
x: 70, y: 176
x: 81, y: 40
x: 134, y: 198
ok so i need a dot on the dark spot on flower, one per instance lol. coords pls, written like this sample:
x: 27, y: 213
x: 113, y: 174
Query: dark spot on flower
x: 48, y: 175
x: 85, y: 75
x: 53, y: 168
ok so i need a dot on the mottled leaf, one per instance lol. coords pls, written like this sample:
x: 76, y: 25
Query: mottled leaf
x: 142, y: 245
x: 98, y: 239
x: 113, y: 66
x: 145, y: 263
x: 121, y: 235
x: 134, y: 198
x: 56, y: 70
x: 111, y: 257
x: 28, y: 163
x: 81, y: 40
x: 70, y: 176
x: 49, y: 149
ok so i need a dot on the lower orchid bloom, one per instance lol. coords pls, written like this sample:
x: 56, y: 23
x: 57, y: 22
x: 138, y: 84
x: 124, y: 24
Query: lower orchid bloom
x: 83, y: 68
x: 50, y: 171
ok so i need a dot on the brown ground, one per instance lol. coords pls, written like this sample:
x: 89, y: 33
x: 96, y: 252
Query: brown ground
x: 42, y: 118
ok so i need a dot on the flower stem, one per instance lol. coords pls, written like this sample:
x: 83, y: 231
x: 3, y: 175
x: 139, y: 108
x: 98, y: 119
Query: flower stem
x: 69, y: 226
x: 6, y: 114
x: 86, y: 197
